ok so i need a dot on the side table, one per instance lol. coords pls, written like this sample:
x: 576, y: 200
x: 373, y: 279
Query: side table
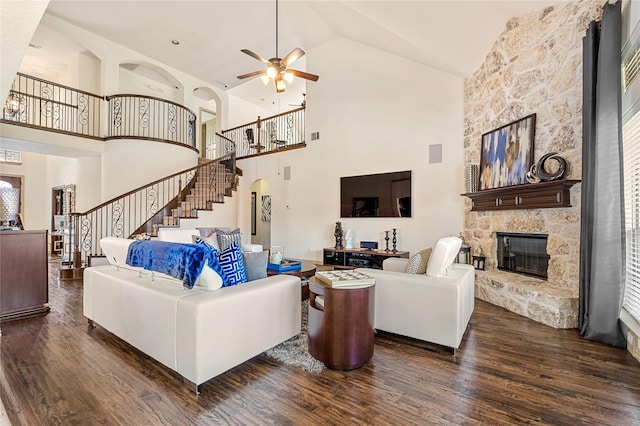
x: 341, y: 331
x: 307, y: 270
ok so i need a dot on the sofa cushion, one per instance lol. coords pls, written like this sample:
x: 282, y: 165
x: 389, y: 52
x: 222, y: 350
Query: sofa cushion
x: 232, y: 265
x: 255, y: 264
x: 226, y: 239
x: 418, y: 262
x: 443, y: 255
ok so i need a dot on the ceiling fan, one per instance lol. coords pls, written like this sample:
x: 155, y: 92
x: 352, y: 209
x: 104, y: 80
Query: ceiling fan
x: 277, y: 68
x: 303, y: 103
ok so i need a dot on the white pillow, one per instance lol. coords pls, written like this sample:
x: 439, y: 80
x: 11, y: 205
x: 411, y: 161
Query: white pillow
x: 209, y: 279
x: 443, y: 255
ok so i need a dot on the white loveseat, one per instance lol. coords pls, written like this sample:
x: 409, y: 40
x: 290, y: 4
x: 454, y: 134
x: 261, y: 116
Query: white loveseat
x: 435, y: 308
x: 199, y: 333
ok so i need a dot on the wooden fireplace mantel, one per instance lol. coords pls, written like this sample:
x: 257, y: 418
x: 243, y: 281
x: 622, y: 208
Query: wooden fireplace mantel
x: 542, y: 195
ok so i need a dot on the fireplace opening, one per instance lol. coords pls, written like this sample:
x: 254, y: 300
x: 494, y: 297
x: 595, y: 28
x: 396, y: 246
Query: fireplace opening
x: 523, y: 253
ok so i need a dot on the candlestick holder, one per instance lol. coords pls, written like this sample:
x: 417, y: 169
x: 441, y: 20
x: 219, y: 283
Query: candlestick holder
x: 386, y: 241
x: 395, y: 240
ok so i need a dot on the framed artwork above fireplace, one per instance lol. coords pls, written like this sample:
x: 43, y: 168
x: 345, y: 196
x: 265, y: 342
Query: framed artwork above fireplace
x: 506, y: 154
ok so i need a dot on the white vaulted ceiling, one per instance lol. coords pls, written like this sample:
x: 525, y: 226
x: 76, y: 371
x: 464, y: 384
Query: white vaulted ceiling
x: 450, y: 35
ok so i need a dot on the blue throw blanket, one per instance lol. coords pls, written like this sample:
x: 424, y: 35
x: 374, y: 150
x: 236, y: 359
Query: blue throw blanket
x: 181, y: 261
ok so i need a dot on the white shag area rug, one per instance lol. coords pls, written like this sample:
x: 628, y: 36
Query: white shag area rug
x: 295, y: 351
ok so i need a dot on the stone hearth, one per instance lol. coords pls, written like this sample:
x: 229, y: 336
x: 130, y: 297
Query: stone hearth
x: 530, y: 297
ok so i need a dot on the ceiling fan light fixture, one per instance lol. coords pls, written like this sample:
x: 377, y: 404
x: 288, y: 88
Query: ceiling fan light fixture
x: 272, y: 72
x: 280, y: 86
x: 265, y: 79
x: 288, y: 77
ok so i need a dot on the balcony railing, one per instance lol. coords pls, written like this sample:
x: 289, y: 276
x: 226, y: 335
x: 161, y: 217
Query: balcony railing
x: 42, y: 104
x: 144, y: 117
x: 266, y: 135
x: 34, y: 102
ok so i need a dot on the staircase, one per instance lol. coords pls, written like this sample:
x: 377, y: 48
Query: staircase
x: 201, y: 196
x: 158, y: 204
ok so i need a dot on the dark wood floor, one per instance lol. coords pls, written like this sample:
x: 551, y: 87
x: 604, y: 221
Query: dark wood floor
x: 509, y: 370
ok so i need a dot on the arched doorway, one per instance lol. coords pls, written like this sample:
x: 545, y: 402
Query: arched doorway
x: 261, y: 213
x: 208, y: 129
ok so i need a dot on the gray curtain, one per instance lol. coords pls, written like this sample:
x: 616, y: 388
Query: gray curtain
x: 602, y: 242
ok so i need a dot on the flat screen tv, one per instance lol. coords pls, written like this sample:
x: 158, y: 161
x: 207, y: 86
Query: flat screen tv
x: 376, y: 195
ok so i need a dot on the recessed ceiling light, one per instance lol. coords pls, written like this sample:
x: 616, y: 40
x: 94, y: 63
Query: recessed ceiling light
x: 176, y: 42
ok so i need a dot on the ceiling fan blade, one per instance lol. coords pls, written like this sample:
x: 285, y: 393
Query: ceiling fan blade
x: 303, y: 74
x: 256, y: 56
x: 252, y: 74
x: 292, y: 56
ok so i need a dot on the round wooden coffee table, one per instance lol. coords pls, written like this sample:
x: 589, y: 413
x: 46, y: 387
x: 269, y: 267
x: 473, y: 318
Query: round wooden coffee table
x: 307, y: 270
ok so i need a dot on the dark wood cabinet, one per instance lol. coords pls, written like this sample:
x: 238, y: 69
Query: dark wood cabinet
x: 542, y: 195
x: 24, y: 278
x: 350, y: 258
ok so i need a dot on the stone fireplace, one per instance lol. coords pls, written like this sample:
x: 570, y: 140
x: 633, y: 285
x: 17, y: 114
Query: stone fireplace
x: 534, y: 66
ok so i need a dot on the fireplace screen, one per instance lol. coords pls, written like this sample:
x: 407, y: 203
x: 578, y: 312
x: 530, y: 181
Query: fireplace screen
x: 523, y: 253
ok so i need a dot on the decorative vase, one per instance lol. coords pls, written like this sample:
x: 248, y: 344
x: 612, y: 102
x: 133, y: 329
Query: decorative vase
x: 338, y: 234
x: 348, y: 239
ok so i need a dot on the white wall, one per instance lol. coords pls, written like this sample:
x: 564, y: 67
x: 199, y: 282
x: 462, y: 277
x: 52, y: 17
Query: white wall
x: 18, y: 22
x: 129, y: 164
x: 243, y: 112
x: 370, y: 121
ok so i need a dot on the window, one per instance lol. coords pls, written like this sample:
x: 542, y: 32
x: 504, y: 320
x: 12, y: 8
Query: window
x: 631, y: 165
x: 10, y: 156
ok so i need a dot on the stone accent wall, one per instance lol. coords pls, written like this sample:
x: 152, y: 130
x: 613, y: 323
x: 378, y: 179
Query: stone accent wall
x: 535, y: 66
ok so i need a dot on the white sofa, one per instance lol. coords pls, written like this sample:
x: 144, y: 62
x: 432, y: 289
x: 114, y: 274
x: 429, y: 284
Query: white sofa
x: 435, y: 308
x: 199, y: 333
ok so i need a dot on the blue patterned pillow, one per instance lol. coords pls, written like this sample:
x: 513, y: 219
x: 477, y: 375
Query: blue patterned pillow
x: 233, y: 266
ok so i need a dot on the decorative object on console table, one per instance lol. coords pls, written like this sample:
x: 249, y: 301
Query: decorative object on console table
x: 506, y: 154
x: 395, y: 240
x: 348, y: 239
x: 358, y: 258
x: 338, y: 234
x: 386, y: 241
